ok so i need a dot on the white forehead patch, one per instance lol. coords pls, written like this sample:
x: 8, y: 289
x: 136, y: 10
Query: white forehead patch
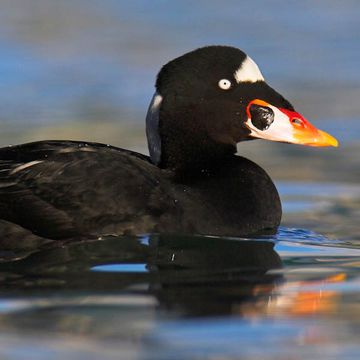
x: 248, y: 72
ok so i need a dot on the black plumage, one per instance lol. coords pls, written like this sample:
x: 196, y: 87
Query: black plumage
x: 67, y: 189
x: 84, y: 189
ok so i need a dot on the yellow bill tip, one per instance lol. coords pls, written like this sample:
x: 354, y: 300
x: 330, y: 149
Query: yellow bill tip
x: 326, y: 140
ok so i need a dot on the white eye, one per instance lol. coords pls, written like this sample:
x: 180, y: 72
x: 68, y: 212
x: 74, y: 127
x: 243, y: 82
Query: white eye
x: 224, y: 84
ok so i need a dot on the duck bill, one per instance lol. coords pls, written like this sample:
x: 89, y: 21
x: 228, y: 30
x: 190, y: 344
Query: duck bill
x: 290, y: 127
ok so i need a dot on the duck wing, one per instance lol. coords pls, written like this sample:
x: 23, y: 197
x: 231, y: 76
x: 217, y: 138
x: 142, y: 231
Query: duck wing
x: 66, y: 189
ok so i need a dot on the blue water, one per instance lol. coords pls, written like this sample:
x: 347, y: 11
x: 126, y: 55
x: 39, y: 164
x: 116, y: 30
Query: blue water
x: 172, y: 297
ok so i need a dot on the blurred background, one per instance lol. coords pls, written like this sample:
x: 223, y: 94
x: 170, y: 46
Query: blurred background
x: 85, y: 69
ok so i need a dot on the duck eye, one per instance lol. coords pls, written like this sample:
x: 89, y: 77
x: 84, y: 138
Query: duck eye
x: 224, y: 84
x: 261, y: 116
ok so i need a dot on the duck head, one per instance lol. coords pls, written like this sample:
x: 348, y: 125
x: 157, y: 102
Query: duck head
x: 208, y: 100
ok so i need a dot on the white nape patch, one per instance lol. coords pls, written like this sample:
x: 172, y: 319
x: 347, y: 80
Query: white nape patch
x: 25, y: 166
x: 248, y: 72
x: 152, y: 128
x: 156, y: 102
x: 280, y: 130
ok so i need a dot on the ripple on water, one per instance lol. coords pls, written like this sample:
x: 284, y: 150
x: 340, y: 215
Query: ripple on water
x: 295, y: 294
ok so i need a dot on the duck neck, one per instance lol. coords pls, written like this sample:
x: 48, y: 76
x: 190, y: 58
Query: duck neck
x: 190, y: 140
x: 192, y: 157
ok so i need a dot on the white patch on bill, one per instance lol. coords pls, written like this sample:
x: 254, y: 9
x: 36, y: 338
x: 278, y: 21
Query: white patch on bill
x: 248, y: 72
x: 280, y: 130
x: 25, y: 166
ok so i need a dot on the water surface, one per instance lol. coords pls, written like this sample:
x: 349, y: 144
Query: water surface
x: 176, y: 297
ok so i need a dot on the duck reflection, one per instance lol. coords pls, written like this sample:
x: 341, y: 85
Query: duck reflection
x: 188, y: 275
x: 213, y: 276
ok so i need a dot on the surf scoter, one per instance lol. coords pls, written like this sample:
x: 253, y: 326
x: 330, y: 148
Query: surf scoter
x: 206, y: 101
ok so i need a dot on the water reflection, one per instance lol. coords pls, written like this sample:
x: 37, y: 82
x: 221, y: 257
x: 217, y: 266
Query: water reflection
x: 183, y: 295
x: 191, y: 276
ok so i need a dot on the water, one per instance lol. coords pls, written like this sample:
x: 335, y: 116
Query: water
x: 173, y: 297
x: 85, y: 70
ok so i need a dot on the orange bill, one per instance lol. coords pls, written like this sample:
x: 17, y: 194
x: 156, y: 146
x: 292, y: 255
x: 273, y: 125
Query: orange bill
x: 277, y: 124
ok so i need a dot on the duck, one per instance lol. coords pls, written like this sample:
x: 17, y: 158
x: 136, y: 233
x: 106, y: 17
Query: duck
x: 192, y: 182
